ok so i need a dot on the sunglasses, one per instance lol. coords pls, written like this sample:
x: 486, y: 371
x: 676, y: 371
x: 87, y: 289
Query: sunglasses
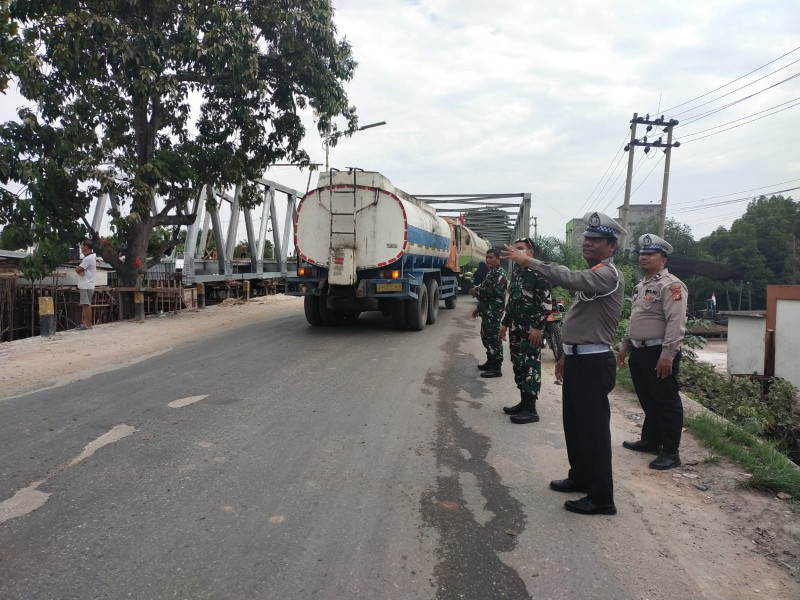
x: 527, y: 241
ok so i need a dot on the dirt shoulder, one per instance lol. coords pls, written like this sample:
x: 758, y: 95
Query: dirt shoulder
x: 736, y: 543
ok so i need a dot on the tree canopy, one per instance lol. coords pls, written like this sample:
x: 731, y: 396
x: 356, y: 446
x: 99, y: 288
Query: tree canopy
x: 143, y: 100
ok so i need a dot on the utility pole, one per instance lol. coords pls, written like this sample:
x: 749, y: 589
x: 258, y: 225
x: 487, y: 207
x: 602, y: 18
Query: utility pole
x: 535, y: 229
x: 663, y: 217
x: 668, y: 125
x: 627, y: 201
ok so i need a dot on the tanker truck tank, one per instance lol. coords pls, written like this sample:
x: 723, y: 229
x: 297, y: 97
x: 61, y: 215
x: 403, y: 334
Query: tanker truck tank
x: 367, y: 245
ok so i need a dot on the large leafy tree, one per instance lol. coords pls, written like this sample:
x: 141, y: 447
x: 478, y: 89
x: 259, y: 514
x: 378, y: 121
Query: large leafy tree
x: 147, y: 99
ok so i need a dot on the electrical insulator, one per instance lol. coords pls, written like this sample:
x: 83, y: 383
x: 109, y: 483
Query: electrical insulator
x: 646, y: 149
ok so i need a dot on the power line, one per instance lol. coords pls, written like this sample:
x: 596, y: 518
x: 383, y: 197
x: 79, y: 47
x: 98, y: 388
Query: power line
x: 600, y: 198
x: 685, y: 135
x: 604, y: 174
x: 608, y: 184
x: 648, y: 175
x: 716, y: 110
x: 761, y: 187
x: 620, y: 189
x: 736, y: 90
x: 730, y: 82
x: 734, y: 201
x: 745, y: 123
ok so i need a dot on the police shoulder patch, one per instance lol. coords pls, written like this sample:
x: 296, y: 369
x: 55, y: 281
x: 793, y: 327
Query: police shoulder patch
x: 676, y: 292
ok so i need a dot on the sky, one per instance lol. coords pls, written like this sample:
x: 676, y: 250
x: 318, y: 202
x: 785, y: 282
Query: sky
x: 536, y: 96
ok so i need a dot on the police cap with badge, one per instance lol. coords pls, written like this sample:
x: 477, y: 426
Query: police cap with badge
x: 650, y: 243
x: 600, y: 225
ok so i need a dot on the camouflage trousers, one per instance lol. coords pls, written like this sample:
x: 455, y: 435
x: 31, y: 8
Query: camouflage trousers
x: 527, y: 360
x: 490, y: 330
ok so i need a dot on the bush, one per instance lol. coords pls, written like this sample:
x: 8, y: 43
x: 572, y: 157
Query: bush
x: 741, y: 400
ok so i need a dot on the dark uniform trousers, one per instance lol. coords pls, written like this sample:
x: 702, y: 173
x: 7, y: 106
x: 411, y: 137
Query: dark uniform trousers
x: 660, y: 400
x: 588, y: 378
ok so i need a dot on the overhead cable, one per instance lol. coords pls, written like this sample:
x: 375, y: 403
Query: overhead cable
x: 730, y: 82
x: 723, y: 107
x: 740, y: 124
x: 734, y: 91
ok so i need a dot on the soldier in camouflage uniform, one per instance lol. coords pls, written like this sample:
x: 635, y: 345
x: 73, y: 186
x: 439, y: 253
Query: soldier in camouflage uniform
x: 491, y: 295
x: 529, y: 303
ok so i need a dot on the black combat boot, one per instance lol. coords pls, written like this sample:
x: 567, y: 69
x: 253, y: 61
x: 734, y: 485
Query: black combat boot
x: 528, y: 413
x: 493, y: 370
x: 485, y: 365
x: 517, y: 408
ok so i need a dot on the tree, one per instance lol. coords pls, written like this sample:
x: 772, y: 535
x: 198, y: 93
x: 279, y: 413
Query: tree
x: 148, y: 100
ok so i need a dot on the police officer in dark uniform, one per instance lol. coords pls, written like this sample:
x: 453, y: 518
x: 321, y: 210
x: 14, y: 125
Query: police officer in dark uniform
x: 588, y: 369
x: 655, y: 331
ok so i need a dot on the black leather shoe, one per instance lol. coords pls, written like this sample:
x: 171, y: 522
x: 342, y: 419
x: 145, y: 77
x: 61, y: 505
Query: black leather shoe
x: 492, y: 373
x: 525, y: 416
x: 513, y: 410
x: 485, y: 366
x: 640, y: 446
x: 666, y: 461
x: 584, y: 506
x: 567, y: 485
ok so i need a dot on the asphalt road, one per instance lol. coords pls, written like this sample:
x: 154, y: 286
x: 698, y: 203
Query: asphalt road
x: 353, y: 462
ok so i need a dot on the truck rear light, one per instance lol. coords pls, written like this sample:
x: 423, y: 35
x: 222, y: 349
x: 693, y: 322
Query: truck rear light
x: 390, y: 274
x: 305, y: 271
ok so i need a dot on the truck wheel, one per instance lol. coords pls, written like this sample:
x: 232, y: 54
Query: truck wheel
x: 398, y: 309
x: 554, y: 339
x: 450, y: 302
x: 311, y: 307
x: 417, y: 310
x: 433, y: 300
x: 327, y: 316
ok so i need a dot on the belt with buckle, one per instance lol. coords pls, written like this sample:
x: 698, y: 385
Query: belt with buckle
x: 647, y: 343
x: 586, y: 348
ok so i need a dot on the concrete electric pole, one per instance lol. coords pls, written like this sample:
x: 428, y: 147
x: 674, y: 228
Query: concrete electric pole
x: 627, y: 200
x: 668, y: 126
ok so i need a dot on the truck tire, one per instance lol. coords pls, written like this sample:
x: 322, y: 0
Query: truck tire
x: 433, y: 300
x: 398, y: 309
x: 417, y: 310
x: 311, y: 307
x: 450, y: 302
x: 330, y: 318
x: 554, y: 339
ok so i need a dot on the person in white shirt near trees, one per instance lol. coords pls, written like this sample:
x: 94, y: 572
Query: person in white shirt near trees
x: 86, y: 271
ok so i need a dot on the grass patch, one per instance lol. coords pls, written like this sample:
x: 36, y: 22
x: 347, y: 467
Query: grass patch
x: 771, y: 469
x: 624, y: 380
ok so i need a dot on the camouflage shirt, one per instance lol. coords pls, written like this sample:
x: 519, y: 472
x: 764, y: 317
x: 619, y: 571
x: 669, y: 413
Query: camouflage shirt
x: 491, y: 294
x: 529, y: 299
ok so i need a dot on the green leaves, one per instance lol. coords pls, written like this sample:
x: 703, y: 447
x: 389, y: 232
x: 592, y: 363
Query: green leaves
x: 115, y: 86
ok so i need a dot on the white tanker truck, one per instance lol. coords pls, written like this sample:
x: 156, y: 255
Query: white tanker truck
x: 364, y: 245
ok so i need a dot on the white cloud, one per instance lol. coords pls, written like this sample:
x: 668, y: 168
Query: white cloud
x: 535, y: 96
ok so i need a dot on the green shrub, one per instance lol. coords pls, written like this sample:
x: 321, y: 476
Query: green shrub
x: 741, y: 399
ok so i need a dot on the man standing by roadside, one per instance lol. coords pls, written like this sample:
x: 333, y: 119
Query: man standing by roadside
x: 529, y: 303
x: 588, y: 370
x: 86, y: 271
x: 491, y: 295
x: 654, y: 335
